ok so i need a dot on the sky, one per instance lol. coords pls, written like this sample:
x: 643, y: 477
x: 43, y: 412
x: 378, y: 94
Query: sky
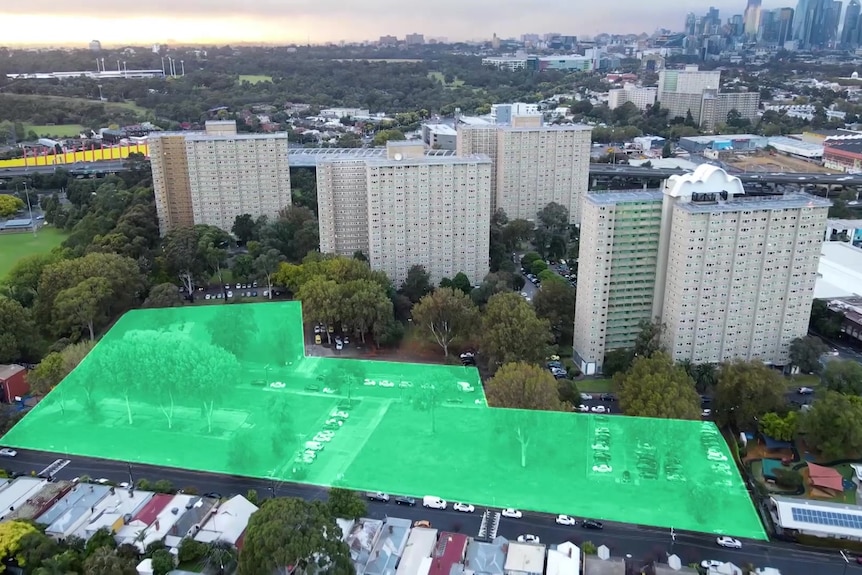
x: 76, y: 22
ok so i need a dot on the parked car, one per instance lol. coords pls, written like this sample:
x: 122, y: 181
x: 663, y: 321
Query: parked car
x: 805, y: 391
x: 433, y: 502
x: 729, y: 542
x: 6, y: 452
x: 409, y: 501
x: 528, y: 538
x: 463, y: 507
x: 377, y: 496
x: 586, y: 397
x: 565, y: 520
x: 511, y: 513
x: 590, y: 524
x: 422, y: 523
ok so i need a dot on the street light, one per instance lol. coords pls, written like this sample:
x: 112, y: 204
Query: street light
x: 846, y: 560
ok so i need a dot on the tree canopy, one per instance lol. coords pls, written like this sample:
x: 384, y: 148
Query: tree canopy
x: 522, y: 385
x: 832, y: 427
x: 843, y: 376
x: 805, y: 353
x: 745, y: 391
x: 511, y: 332
x: 445, y: 315
x: 656, y: 387
x: 272, y: 543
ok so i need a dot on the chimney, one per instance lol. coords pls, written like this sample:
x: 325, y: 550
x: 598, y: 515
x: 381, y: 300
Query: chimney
x: 157, y: 524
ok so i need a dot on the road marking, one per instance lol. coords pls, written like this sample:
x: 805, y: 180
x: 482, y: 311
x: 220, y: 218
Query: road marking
x: 55, y: 467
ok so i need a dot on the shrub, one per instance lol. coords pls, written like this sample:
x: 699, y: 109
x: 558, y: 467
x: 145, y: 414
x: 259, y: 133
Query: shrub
x: 191, y: 550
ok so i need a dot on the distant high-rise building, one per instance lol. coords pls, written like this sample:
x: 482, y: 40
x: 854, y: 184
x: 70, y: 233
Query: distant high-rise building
x: 414, y: 39
x: 690, y: 24
x: 752, y: 17
x: 834, y: 19
x: 388, y: 41
x: 785, y: 25
x: 642, y: 97
x: 729, y: 275
x: 811, y: 23
x: 95, y: 46
x: 214, y: 176
x: 849, y: 32
x: 689, y: 80
x: 698, y: 92
x: 406, y: 209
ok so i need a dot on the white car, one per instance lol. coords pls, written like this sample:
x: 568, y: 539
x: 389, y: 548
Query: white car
x: 337, y: 422
x: 565, y: 520
x: 711, y: 563
x: 729, y: 542
x: 583, y: 408
x: 6, y: 452
x: 706, y: 413
x: 313, y: 446
x: 387, y: 383
x: 339, y: 414
x: 586, y: 397
x: 102, y: 481
x: 339, y: 346
x: 513, y: 513
x: 464, y: 507
x: 598, y: 409
x: 124, y: 485
x: 328, y: 390
x: 527, y: 538
x: 322, y: 438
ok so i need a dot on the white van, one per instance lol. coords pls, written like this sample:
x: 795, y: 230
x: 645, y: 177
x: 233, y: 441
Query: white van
x: 314, y: 445
x: 433, y: 502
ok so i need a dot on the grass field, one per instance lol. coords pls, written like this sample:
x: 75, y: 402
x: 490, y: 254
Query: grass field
x: 440, y: 78
x: 109, y: 105
x: 254, y: 78
x: 15, y: 246
x: 60, y: 130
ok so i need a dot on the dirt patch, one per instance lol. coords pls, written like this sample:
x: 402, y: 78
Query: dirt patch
x: 764, y: 162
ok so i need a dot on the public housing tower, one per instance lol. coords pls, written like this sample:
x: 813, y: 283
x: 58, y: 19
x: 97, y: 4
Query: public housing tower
x: 211, y: 177
x: 729, y: 275
x: 408, y: 208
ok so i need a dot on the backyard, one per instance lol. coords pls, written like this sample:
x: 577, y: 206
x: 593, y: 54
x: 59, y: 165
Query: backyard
x: 15, y: 246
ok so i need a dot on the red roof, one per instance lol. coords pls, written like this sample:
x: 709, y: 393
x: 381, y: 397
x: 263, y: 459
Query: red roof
x: 154, y: 506
x: 825, y: 477
x: 450, y: 550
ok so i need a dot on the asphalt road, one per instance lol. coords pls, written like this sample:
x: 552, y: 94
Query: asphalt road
x: 644, y: 544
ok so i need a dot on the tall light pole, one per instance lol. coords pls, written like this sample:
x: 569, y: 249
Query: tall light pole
x: 30, y: 208
x: 846, y: 560
x: 672, y: 539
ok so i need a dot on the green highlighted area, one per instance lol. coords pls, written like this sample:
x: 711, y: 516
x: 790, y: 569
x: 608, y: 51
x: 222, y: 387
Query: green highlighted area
x: 228, y: 389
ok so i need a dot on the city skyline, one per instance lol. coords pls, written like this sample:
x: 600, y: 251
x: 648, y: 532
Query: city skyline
x: 40, y: 23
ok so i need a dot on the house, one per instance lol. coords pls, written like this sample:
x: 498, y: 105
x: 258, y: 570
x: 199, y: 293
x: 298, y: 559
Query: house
x: 114, y: 511
x: 66, y: 516
x: 664, y: 569
x: 39, y: 502
x: 525, y: 559
x: 564, y: 559
x: 594, y: 565
x: 13, y: 382
x: 484, y: 558
x: 197, y: 511
x: 451, y: 548
x: 388, y: 548
x: 360, y: 536
x: 416, y: 558
x: 145, y: 517
x: 228, y: 522
x: 164, y: 522
x: 13, y: 494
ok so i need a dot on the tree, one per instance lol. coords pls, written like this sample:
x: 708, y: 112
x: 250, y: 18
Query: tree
x: 832, y: 427
x: 12, y: 533
x: 271, y: 544
x: 163, y: 562
x: 667, y: 150
x: 511, y: 331
x: 648, y: 340
x: 777, y: 427
x: 84, y: 305
x: 182, y: 256
x: 163, y: 295
x: 36, y: 548
x: 655, y: 387
x: 528, y: 258
x: 10, y: 205
x: 445, y: 315
x: 745, y: 391
x: 537, y: 267
x: 266, y: 265
x: 106, y: 561
x: 346, y: 504
x: 617, y: 360
x: 102, y: 538
x: 242, y: 267
x: 555, y: 302
x: 522, y: 385
x: 805, y: 353
x: 18, y: 337
x: 55, y: 366
x: 22, y: 281
x: 843, y: 376
x: 417, y: 283
x: 462, y: 282
x: 244, y: 228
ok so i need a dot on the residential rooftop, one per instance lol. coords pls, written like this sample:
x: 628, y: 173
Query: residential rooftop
x: 72, y: 508
x: 790, y: 200
x: 116, y: 508
x: 636, y: 195
x: 525, y: 558
x: 17, y: 492
x: 228, y: 521
x: 41, y: 501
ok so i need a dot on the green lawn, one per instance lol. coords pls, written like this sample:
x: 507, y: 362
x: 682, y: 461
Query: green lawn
x: 803, y: 380
x: 600, y: 385
x: 109, y: 105
x: 440, y: 78
x: 15, y: 246
x: 254, y: 78
x: 59, y: 130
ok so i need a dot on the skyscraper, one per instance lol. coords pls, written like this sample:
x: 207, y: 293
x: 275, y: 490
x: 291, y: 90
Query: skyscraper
x: 849, y: 35
x: 752, y: 17
x: 408, y: 208
x: 213, y: 176
x: 729, y: 275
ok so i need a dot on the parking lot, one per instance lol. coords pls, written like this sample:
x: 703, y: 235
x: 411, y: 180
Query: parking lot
x: 231, y: 291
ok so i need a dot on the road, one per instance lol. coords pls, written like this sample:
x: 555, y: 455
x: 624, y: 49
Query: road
x: 644, y: 544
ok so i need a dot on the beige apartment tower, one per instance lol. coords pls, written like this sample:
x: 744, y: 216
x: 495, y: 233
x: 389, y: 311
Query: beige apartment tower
x: 212, y: 177
x: 534, y: 165
x: 408, y: 208
x: 729, y: 275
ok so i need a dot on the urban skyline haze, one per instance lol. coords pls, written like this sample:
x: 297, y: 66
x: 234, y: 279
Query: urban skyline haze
x: 48, y: 23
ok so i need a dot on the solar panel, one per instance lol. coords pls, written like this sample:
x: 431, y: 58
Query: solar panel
x: 831, y: 518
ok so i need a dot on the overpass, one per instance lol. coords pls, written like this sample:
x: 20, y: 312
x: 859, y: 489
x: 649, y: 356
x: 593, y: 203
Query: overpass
x: 308, y: 157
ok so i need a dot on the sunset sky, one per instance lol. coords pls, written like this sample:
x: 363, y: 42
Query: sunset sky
x: 49, y: 22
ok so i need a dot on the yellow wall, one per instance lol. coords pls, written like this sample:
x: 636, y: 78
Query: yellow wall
x: 116, y: 153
